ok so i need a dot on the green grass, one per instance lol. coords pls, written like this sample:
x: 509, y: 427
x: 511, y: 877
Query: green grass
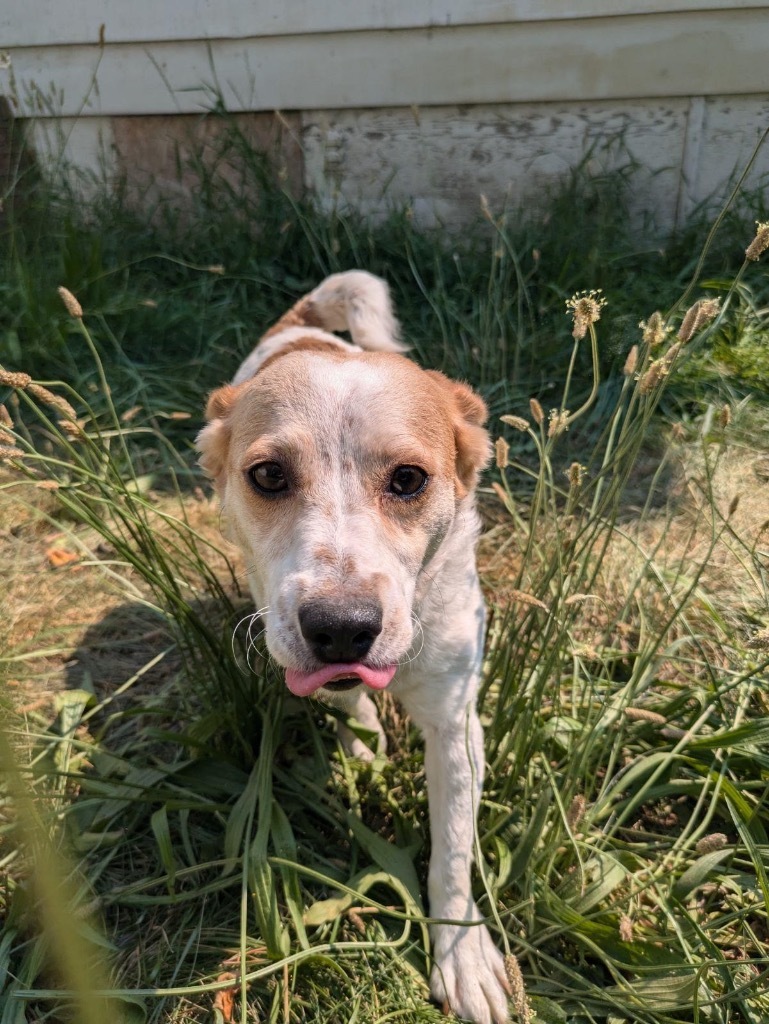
x: 196, y: 829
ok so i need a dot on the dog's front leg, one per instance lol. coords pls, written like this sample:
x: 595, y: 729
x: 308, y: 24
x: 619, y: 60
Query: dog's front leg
x: 363, y: 710
x: 468, y: 971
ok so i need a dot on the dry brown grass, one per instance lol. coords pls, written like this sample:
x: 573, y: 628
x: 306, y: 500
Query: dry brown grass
x: 69, y: 610
x: 708, y: 531
x: 50, y: 595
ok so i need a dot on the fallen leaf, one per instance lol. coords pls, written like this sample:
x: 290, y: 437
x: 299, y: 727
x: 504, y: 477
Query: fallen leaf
x: 224, y: 1000
x: 58, y: 557
x: 26, y: 709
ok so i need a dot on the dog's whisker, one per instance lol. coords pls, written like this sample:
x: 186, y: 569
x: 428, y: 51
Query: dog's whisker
x: 235, y: 657
x: 253, y: 644
x: 233, y: 645
x: 409, y: 659
x: 249, y: 618
x: 434, y: 584
x: 251, y: 641
x: 244, y: 573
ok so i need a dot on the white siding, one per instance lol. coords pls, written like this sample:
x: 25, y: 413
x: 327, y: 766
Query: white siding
x: 681, y: 54
x: 428, y: 101
x: 58, y: 23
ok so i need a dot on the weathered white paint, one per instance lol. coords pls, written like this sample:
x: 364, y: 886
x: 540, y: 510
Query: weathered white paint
x: 440, y: 160
x: 57, y: 23
x: 707, y: 53
x: 732, y: 128
x: 687, y: 153
x: 690, y: 159
x: 86, y: 143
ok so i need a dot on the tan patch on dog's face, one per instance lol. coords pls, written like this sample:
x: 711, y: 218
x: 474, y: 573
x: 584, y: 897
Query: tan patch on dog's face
x: 335, y: 428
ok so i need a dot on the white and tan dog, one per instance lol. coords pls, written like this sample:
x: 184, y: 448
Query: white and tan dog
x: 346, y: 476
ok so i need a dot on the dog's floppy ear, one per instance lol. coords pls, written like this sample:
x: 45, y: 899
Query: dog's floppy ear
x: 473, y: 447
x: 213, y: 441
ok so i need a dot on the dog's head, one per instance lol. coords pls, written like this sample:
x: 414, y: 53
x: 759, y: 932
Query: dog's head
x: 340, y: 475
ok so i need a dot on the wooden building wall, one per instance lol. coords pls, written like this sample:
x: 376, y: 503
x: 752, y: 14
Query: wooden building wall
x: 430, y: 102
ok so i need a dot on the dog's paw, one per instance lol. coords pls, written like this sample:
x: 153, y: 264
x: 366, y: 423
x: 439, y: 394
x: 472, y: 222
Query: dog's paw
x: 365, y: 719
x: 469, y: 974
x: 353, y: 746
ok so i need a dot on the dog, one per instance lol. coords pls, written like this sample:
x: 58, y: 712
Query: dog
x: 346, y: 475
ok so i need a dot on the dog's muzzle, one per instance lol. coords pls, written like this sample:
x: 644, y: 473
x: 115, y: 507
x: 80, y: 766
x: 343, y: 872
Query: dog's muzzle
x: 341, y: 635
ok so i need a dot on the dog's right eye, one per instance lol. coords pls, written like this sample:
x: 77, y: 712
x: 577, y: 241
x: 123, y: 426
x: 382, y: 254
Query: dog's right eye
x: 268, y: 478
x: 408, y: 481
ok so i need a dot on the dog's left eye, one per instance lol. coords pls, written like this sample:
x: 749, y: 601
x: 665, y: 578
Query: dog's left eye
x: 268, y: 477
x: 407, y: 481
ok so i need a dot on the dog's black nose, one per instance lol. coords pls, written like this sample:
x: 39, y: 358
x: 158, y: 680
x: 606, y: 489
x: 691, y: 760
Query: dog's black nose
x: 340, y: 632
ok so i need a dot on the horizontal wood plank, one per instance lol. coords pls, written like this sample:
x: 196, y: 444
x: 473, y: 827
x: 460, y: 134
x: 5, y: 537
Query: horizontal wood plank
x: 70, y: 22
x: 668, y: 55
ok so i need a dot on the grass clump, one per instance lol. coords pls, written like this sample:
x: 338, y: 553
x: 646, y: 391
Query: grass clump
x: 223, y: 858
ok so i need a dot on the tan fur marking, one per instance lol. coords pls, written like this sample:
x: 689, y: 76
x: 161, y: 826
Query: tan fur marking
x: 213, y: 444
x: 214, y: 439
x: 324, y: 554
x: 302, y: 345
x: 221, y: 401
x: 473, y: 448
x: 301, y: 314
x: 344, y: 565
x: 347, y: 566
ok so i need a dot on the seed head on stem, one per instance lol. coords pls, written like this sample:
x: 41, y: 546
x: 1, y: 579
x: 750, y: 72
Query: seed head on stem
x: 711, y: 843
x: 652, y: 378
x: 631, y: 362
x: 8, y: 451
x: 537, y: 411
x: 558, y: 422
x: 760, y: 243
x: 759, y: 641
x: 585, y: 308
x: 61, y: 405
x: 576, y: 812
x: 502, y: 450
x: 658, y: 370
x: 654, y: 330
x: 73, y: 306
x: 517, y: 988
x: 575, y: 473
x: 698, y: 316
x: 15, y: 380
x: 515, y: 421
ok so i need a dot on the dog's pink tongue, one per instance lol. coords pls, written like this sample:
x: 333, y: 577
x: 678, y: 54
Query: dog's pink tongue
x: 302, y: 684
